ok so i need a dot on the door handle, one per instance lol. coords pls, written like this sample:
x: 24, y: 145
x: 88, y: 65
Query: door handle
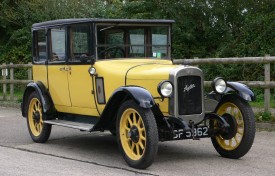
x: 66, y: 68
x: 62, y: 69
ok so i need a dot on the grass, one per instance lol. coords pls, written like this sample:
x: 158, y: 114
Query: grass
x: 265, y: 117
x: 260, y: 103
x: 17, y: 96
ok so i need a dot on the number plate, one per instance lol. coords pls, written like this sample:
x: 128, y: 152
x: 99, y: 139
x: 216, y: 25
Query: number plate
x: 199, y: 132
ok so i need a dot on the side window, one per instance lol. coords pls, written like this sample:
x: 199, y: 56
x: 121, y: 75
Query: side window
x: 58, y: 44
x: 39, y: 54
x: 80, y: 48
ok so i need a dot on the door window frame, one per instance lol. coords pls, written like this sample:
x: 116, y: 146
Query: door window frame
x: 69, y: 41
x: 49, y: 42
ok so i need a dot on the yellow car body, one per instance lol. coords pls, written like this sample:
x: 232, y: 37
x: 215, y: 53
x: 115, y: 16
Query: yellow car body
x: 77, y: 98
x: 118, y: 75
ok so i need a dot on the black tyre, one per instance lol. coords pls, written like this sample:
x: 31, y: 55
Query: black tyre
x: 137, y: 135
x: 113, y: 132
x: 39, y: 131
x: 237, y: 141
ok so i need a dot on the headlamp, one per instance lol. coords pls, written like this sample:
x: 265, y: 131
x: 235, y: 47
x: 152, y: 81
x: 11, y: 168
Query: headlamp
x: 165, y: 88
x: 219, y: 85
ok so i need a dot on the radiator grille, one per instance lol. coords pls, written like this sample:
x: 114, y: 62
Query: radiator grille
x: 189, y: 95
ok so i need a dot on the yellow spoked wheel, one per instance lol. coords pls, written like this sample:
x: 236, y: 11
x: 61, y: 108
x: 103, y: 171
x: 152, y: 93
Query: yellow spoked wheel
x: 237, y: 140
x: 137, y: 134
x: 38, y: 130
x: 132, y: 134
x: 35, y: 117
x: 231, y: 143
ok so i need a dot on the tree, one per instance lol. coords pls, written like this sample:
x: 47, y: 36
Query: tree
x: 212, y: 28
x: 16, y: 18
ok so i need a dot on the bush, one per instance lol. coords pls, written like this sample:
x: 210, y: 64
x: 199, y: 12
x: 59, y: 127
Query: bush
x: 264, y: 117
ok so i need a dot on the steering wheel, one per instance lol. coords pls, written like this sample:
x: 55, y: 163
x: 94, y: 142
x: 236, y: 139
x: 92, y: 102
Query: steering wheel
x: 112, y: 52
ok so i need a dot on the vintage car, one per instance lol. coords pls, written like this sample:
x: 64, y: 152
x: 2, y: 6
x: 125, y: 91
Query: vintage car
x: 118, y: 75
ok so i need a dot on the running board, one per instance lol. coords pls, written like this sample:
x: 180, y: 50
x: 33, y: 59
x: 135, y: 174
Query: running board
x: 70, y: 124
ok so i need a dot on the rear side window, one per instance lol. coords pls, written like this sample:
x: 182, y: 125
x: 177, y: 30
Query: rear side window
x: 40, y: 49
x: 58, y: 44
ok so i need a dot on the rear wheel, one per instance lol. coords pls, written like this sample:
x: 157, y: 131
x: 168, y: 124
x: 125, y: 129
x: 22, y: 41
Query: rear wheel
x: 238, y: 139
x: 137, y: 135
x: 38, y: 130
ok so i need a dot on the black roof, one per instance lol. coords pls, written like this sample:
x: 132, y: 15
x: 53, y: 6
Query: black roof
x: 97, y: 20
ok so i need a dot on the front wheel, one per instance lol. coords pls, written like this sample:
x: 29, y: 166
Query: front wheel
x: 137, y: 135
x: 238, y: 139
x: 39, y: 131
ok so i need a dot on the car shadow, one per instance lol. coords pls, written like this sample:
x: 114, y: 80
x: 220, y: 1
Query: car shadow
x: 104, y: 146
x: 99, y: 143
x: 184, y: 151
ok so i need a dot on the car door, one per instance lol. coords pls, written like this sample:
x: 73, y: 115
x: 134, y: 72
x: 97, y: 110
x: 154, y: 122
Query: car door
x: 57, y: 69
x: 80, y: 81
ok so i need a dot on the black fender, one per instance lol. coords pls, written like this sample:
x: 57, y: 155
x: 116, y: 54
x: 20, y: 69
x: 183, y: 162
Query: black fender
x: 140, y: 95
x: 242, y: 90
x: 44, y: 96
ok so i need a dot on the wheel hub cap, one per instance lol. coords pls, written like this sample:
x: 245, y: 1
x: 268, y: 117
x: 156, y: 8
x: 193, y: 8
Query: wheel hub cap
x: 134, y: 134
x: 232, y: 130
x: 36, y: 117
